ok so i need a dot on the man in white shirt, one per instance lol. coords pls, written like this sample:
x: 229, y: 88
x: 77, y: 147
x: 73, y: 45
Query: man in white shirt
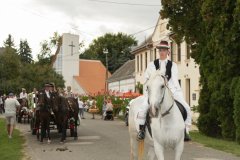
x: 80, y: 103
x: 173, y: 84
x: 11, y: 106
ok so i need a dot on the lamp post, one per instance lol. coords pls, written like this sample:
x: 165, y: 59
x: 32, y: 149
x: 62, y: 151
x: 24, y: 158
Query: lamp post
x: 106, y: 52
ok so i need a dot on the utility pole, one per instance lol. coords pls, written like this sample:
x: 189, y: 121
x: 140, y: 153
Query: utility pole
x: 106, y: 52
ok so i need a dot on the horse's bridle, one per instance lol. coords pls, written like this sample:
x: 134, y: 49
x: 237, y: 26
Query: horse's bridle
x: 168, y: 111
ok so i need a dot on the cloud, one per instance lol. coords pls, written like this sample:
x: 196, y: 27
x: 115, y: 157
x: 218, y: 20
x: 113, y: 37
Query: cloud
x: 92, y: 17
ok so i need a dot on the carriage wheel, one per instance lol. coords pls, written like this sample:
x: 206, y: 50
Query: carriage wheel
x: 19, y: 119
x: 33, y: 129
x: 59, y: 128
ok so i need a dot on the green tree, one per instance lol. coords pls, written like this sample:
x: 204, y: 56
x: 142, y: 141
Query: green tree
x: 9, y: 42
x: 125, y: 56
x: 212, y: 30
x: 114, y: 43
x: 25, y: 51
x: 45, y: 56
x: 55, y: 39
x: 88, y: 54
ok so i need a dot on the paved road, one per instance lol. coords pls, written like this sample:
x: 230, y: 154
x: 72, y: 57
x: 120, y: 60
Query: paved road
x: 104, y: 140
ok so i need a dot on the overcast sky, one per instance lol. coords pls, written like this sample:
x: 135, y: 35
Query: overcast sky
x: 36, y: 20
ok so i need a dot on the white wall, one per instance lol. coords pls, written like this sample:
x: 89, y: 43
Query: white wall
x: 70, y: 63
x: 125, y: 85
x: 76, y: 87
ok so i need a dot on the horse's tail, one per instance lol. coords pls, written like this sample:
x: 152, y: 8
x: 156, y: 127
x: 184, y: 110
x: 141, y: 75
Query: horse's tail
x: 140, y: 149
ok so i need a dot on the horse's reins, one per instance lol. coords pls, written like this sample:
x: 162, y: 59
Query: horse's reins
x: 168, y: 111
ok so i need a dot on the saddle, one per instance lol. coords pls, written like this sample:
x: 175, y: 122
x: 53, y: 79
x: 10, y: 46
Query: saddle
x: 180, y: 107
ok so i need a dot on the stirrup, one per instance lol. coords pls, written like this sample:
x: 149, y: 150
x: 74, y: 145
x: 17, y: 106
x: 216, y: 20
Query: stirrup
x: 143, y: 132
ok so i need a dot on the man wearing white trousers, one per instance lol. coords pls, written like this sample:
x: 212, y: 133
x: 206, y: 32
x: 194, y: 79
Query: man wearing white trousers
x: 173, y: 84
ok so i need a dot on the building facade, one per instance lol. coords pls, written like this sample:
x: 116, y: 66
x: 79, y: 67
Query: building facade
x: 123, y: 79
x: 84, y: 76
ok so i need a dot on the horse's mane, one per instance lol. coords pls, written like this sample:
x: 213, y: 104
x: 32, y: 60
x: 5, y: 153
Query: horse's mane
x: 155, y: 74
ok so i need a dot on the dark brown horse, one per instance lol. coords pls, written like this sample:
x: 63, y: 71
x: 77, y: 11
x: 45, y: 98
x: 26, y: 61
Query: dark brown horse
x: 24, y: 103
x: 65, y: 110
x: 43, y: 115
x: 73, y: 115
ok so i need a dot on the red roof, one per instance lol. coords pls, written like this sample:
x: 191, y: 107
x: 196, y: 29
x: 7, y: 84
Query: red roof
x: 92, y: 75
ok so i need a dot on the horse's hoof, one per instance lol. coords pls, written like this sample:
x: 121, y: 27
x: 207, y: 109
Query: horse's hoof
x: 75, y: 138
x: 61, y: 143
x: 49, y: 143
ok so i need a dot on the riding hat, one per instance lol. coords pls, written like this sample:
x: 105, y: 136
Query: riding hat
x: 163, y: 44
x: 47, y: 85
x: 50, y: 85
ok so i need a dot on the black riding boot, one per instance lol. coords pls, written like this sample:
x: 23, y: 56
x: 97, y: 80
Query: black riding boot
x: 186, y: 138
x: 141, y: 133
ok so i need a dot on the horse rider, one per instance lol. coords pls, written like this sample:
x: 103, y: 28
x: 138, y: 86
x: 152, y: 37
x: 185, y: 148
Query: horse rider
x: 50, y: 87
x: 23, y: 94
x: 47, y: 91
x: 173, y: 84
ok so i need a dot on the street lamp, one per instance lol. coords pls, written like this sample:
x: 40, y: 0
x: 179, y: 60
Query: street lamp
x: 105, y: 51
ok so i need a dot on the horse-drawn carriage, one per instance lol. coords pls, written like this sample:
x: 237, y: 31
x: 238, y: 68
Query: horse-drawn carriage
x: 23, y: 110
x: 64, y: 116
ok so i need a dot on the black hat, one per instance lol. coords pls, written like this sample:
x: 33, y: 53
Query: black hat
x: 50, y: 85
x: 47, y: 85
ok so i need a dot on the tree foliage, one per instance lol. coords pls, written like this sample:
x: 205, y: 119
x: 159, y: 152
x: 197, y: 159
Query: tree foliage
x: 9, y: 42
x: 115, y: 43
x: 25, y: 51
x: 212, y: 29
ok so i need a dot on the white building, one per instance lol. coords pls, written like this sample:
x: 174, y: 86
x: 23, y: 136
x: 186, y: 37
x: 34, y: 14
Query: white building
x: 123, y: 79
x: 188, y: 71
x: 83, y: 76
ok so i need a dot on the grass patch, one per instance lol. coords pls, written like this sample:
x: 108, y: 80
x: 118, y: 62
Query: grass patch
x: 10, y: 148
x: 218, y: 144
x: 121, y: 117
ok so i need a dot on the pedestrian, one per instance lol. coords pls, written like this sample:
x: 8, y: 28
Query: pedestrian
x: 23, y: 94
x: 80, y: 103
x: 15, y: 96
x: 104, y: 109
x: 11, y: 106
x: 3, y: 102
x: 93, y: 107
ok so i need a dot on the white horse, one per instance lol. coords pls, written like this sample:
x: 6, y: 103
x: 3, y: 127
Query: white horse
x: 167, y: 123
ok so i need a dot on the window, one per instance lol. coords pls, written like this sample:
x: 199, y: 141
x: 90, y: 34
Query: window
x: 138, y: 63
x: 172, y: 51
x: 179, y: 81
x: 146, y: 59
x: 155, y: 54
x: 179, y: 51
x: 141, y: 62
x: 188, y: 51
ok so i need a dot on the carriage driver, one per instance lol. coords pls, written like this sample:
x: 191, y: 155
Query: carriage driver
x: 173, y: 84
x: 47, y: 86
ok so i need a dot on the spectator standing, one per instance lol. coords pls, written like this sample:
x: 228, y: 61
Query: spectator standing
x: 11, y: 106
x: 109, y: 100
x: 80, y: 103
x: 104, y: 109
x: 94, y: 109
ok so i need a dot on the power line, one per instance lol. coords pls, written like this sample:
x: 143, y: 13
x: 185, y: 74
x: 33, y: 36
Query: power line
x: 148, y: 28
x: 148, y: 5
x: 50, y: 19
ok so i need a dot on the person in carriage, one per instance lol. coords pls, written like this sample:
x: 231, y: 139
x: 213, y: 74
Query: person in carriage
x: 23, y: 94
x: 173, y: 84
x: 48, y: 92
x: 68, y: 93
